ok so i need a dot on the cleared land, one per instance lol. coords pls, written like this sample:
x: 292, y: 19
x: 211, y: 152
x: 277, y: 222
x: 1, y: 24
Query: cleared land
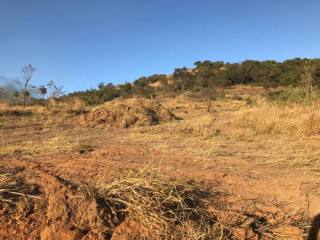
x: 247, y: 170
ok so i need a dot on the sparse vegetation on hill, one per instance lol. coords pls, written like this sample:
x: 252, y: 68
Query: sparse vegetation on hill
x: 204, y: 78
x: 207, y: 75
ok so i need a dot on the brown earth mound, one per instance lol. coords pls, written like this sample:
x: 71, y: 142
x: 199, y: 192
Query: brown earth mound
x: 73, y: 213
x: 57, y: 210
x: 128, y: 113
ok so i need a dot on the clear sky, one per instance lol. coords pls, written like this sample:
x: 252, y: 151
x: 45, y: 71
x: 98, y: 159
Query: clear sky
x: 79, y: 43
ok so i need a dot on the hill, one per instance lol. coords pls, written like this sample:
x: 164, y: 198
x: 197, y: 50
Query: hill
x: 204, y: 77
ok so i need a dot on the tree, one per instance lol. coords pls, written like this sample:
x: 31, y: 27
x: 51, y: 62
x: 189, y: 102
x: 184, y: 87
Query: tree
x: 54, y: 90
x: 43, y: 91
x: 27, y: 72
x: 108, y: 92
x: 101, y: 85
x: 183, y: 79
x: 142, y: 88
x: 126, y: 88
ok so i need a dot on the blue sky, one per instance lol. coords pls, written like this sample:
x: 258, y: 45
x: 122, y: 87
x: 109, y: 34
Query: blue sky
x: 79, y: 43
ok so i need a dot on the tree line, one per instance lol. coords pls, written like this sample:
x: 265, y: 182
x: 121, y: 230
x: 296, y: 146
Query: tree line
x: 207, y: 75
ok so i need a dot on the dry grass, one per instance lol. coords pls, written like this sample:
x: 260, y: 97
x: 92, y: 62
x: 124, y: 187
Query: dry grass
x: 51, y: 141
x: 17, y: 198
x: 10, y: 108
x: 53, y: 107
x: 225, y: 139
x: 11, y: 189
x: 11, y: 183
x: 4, y: 106
x: 288, y: 120
x: 127, y: 113
x: 201, y: 127
x: 7, y: 185
x: 165, y: 208
x: 73, y: 105
x: 264, y: 132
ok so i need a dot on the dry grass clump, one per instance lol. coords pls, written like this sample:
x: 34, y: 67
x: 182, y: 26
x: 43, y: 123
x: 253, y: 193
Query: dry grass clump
x: 127, y: 113
x: 203, y: 127
x: 163, y: 208
x: 4, y: 106
x: 14, y: 111
x: 14, y: 196
x: 7, y: 110
x: 7, y: 185
x: 18, y: 199
x: 289, y: 120
x: 72, y: 105
x: 12, y: 188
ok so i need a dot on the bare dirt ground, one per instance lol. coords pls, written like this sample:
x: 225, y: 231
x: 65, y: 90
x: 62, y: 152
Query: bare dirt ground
x: 268, y: 184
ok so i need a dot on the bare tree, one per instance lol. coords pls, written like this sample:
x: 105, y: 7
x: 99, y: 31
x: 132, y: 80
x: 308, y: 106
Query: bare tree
x: 27, y: 72
x: 307, y: 77
x: 54, y: 90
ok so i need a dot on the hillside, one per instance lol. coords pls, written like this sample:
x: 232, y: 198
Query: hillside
x: 205, y: 77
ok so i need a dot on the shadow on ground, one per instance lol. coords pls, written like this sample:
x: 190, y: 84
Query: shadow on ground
x: 315, y: 229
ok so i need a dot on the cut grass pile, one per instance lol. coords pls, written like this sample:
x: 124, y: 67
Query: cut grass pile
x: 150, y: 207
x: 163, y: 209
x: 128, y: 113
